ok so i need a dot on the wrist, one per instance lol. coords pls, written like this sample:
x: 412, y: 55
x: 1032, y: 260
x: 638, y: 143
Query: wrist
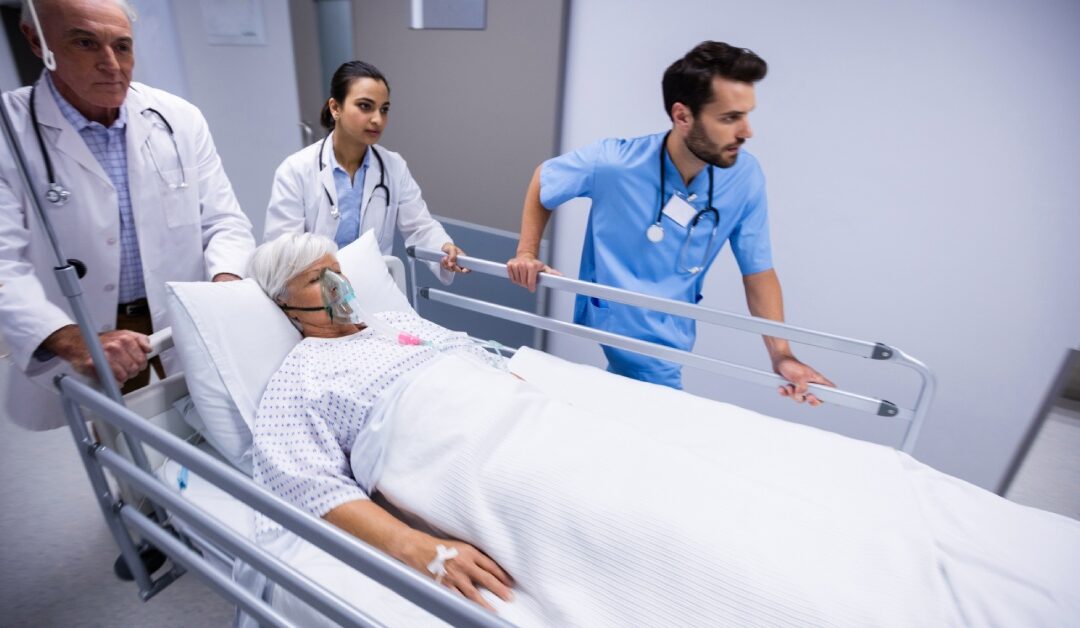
x: 779, y: 357
x: 61, y: 342
x: 526, y: 253
x: 407, y: 546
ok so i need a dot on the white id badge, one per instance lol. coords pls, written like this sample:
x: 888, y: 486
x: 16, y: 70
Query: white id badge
x: 679, y: 210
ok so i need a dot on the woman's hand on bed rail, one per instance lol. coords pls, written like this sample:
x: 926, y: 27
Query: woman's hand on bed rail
x: 450, y: 261
x: 466, y: 573
x: 799, y: 374
x: 524, y: 268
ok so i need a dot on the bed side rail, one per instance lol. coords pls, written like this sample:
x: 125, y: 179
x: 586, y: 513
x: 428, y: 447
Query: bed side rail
x: 404, y: 581
x: 878, y: 351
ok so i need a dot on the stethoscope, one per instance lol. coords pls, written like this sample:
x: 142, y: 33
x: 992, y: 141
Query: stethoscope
x: 334, y: 212
x: 655, y: 232
x: 59, y: 195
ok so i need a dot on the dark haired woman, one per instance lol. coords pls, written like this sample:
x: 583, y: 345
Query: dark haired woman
x: 344, y: 184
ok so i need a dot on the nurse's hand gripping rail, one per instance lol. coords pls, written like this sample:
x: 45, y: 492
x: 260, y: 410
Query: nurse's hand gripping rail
x: 872, y: 350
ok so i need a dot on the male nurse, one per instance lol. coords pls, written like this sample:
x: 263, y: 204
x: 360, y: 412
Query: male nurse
x: 663, y: 206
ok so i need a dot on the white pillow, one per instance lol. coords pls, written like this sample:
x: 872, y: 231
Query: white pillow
x: 362, y: 263
x: 231, y: 338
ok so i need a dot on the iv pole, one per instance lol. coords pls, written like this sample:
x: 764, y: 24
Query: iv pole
x: 67, y: 276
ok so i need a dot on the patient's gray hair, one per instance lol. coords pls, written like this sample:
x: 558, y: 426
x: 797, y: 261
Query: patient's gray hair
x: 274, y: 263
x: 43, y: 7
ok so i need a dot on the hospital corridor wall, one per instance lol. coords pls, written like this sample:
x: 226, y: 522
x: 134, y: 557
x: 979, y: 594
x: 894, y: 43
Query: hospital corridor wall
x: 921, y: 191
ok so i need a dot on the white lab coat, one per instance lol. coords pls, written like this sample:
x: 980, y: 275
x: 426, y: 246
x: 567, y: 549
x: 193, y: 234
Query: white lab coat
x: 299, y: 203
x: 188, y: 234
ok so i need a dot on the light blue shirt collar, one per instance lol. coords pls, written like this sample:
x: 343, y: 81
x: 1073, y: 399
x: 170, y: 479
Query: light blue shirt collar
x: 77, y: 120
x: 335, y: 167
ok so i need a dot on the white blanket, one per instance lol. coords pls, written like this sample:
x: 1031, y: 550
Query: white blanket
x: 640, y: 505
x: 722, y: 516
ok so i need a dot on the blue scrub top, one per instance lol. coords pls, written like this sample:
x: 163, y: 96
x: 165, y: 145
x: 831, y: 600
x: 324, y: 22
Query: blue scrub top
x: 622, y: 177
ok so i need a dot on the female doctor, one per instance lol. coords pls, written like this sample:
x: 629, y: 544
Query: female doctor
x: 344, y: 185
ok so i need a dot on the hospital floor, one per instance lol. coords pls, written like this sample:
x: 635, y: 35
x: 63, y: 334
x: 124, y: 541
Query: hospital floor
x: 56, y: 554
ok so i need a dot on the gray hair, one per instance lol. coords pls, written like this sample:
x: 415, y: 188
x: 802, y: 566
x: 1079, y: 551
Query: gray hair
x: 24, y: 17
x: 274, y: 263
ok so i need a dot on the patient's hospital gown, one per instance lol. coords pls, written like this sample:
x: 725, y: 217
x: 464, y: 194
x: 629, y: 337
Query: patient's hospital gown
x: 320, y: 401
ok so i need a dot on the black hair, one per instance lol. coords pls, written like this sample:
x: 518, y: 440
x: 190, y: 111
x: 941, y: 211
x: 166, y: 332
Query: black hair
x: 689, y: 80
x: 339, y: 85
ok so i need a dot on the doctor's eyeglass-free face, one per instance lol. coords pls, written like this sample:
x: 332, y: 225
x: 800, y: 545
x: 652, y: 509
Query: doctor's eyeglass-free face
x: 362, y: 117
x: 722, y: 125
x: 95, y: 57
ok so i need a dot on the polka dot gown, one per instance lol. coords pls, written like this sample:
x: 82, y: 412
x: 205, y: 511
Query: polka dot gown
x: 320, y: 400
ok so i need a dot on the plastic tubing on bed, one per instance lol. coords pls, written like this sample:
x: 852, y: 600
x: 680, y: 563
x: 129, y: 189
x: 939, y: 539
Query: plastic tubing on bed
x: 872, y: 350
x: 411, y: 585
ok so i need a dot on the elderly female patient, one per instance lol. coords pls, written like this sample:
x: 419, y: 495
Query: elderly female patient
x: 605, y: 521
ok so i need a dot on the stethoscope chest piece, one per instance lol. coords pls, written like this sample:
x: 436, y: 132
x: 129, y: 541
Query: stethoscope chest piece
x: 655, y: 233
x: 57, y: 194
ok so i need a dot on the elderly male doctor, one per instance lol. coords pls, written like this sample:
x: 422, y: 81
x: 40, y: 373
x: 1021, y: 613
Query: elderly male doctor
x: 142, y: 199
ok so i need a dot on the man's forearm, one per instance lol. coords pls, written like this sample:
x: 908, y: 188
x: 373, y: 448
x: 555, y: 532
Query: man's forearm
x: 765, y: 299
x: 534, y: 219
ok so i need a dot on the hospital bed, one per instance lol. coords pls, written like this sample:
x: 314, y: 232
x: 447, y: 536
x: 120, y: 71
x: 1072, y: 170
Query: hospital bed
x: 200, y: 480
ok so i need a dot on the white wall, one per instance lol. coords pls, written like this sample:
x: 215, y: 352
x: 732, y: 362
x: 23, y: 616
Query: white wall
x: 248, y: 95
x: 921, y: 160
x: 157, y: 59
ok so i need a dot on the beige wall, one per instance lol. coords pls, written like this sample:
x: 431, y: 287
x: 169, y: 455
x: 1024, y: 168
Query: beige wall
x: 473, y: 112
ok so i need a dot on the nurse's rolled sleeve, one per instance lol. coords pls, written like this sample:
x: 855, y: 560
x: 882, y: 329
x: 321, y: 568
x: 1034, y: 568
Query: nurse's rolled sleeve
x: 569, y: 176
x: 750, y: 240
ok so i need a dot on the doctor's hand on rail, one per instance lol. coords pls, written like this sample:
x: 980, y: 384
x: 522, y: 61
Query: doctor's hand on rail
x: 524, y: 268
x: 463, y: 569
x: 125, y: 350
x: 799, y: 374
x: 450, y: 261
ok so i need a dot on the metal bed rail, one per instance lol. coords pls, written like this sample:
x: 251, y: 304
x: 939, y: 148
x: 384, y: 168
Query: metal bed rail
x: 914, y: 417
x: 407, y: 583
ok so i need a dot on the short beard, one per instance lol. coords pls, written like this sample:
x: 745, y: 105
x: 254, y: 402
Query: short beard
x: 700, y: 146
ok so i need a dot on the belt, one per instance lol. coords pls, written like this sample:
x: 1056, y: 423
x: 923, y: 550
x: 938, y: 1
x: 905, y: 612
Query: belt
x: 138, y: 307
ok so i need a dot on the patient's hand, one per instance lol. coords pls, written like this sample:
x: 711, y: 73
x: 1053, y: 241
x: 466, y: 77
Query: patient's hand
x: 799, y: 375
x: 469, y: 570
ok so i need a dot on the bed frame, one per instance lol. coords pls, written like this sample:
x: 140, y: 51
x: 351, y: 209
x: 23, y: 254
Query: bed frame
x: 206, y: 537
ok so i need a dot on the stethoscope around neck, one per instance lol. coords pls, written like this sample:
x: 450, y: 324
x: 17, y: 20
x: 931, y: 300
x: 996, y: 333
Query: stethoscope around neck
x: 655, y: 232
x: 335, y: 213
x: 58, y: 195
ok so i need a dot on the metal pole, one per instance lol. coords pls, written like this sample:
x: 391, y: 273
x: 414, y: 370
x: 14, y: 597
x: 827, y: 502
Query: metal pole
x: 68, y: 279
x: 307, y: 590
x: 763, y: 326
x: 185, y: 556
x: 109, y: 505
x: 855, y: 401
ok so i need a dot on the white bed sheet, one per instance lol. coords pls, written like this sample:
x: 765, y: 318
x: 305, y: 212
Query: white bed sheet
x: 970, y: 524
